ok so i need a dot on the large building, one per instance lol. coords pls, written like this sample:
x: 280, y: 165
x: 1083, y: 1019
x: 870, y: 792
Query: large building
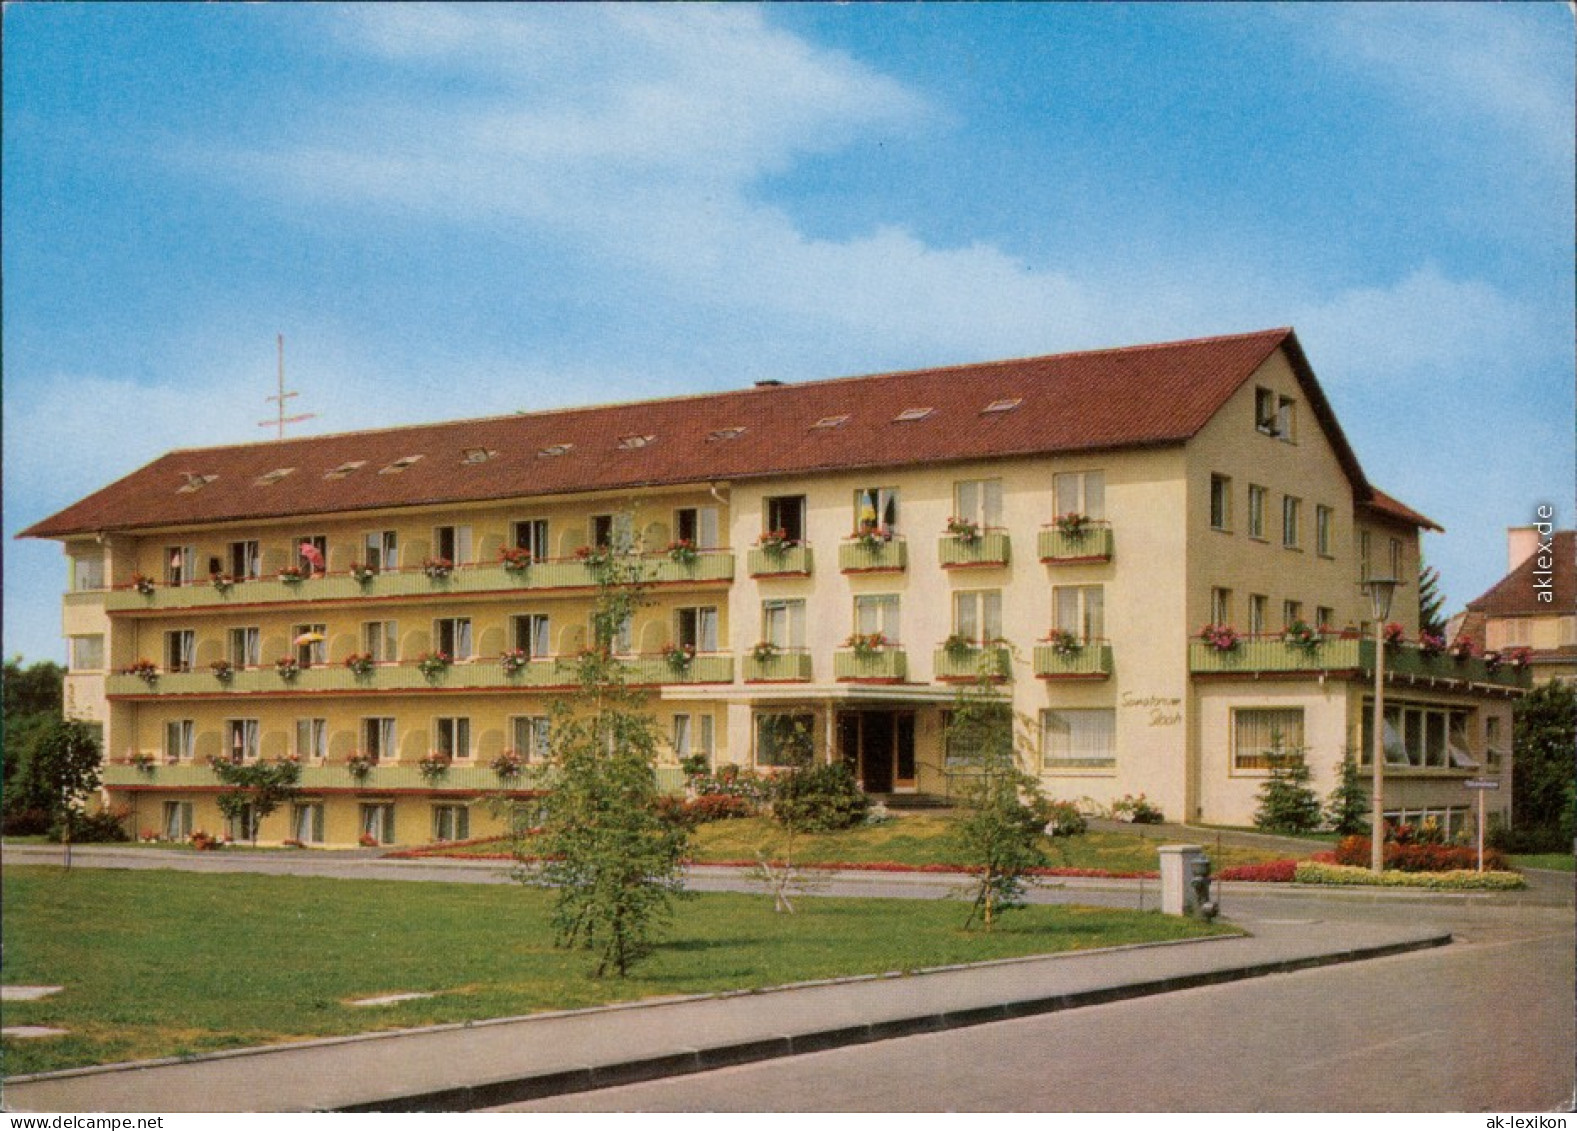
x: 1534, y: 606
x: 1069, y: 523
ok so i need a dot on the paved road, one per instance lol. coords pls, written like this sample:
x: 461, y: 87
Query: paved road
x: 1486, y: 1024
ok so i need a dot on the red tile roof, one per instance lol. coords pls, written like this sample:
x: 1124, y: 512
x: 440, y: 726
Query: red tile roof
x: 1104, y: 399
x: 1381, y: 503
x: 1516, y: 594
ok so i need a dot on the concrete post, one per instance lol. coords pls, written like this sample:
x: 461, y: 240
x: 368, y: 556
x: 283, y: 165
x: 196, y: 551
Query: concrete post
x: 1177, y: 892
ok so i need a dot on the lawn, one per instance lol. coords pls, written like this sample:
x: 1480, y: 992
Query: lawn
x: 1553, y: 861
x: 920, y: 839
x: 163, y: 963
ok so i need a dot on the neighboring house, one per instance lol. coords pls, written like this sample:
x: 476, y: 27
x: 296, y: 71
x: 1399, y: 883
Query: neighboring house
x: 1067, y: 522
x: 1534, y: 606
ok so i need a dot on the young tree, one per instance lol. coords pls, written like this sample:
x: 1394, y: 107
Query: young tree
x: 1545, y: 737
x: 1286, y: 803
x: 265, y: 786
x: 1347, y: 811
x: 804, y: 798
x: 1430, y: 601
x: 999, y: 831
x: 32, y: 708
x: 614, y: 859
x: 66, y: 763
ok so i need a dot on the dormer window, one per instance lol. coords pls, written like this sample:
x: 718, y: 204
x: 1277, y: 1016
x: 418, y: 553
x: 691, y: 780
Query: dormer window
x: 1006, y: 405
x: 554, y: 450
x: 477, y: 455
x: 345, y: 469
x: 721, y: 434
x: 399, y: 465
x: 910, y: 414
x: 631, y: 443
x: 270, y: 478
x: 832, y: 421
x: 194, y: 482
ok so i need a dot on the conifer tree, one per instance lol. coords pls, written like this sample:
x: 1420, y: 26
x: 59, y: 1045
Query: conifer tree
x: 1286, y: 803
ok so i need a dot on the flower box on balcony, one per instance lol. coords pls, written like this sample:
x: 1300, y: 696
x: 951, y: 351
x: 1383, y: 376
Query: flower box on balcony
x: 988, y: 548
x: 887, y: 665
x: 780, y: 559
x: 781, y: 667
x: 873, y: 555
x: 1056, y: 659
x: 965, y: 664
x: 1061, y: 547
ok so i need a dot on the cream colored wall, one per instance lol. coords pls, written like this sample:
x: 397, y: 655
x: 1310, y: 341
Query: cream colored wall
x: 83, y: 615
x: 1229, y: 796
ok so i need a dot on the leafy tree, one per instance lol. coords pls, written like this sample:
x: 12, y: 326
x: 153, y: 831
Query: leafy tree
x: 1347, y: 811
x: 1430, y: 601
x: 1545, y: 737
x: 263, y: 785
x: 66, y: 764
x: 1286, y: 802
x: 32, y: 706
x: 999, y: 831
x: 605, y: 846
x: 804, y: 798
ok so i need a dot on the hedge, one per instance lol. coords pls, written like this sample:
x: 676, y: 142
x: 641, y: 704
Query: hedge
x: 1315, y: 872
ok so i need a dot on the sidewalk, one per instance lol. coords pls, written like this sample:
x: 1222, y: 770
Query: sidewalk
x: 464, y: 1067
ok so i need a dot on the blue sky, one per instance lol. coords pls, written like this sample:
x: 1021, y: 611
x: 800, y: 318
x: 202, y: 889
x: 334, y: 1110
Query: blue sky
x: 459, y: 211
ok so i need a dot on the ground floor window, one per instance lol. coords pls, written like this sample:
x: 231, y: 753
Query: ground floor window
x: 784, y: 739
x: 965, y: 742
x: 451, y: 822
x: 243, y: 823
x: 177, y: 820
x: 1447, y: 822
x: 377, y: 822
x: 1078, y: 739
x: 306, y: 822
x: 1258, y: 733
x: 1420, y: 736
x: 693, y: 736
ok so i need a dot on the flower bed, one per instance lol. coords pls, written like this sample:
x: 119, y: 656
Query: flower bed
x: 1341, y: 875
x: 1275, y: 872
x: 1354, y: 851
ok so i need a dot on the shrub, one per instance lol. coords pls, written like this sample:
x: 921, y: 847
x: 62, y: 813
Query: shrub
x: 1286, y: 803
x: 1274, y: 872
x: 24, y: 822
x: 818, y: 798
x: 1317, y: 872
x: 1136, y: 810
x: 1061, y: 818
x: 1522, y: 839
x: 1354, y: 851
x: 107, y: 826
x: 700, y: 810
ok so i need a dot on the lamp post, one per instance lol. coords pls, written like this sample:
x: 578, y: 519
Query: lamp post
x: 1380, y: 590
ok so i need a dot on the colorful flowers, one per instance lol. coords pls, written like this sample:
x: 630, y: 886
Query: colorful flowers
x: 507, y: 765
x: 1463, y: 649
x: 433, y: 664
x: 516, y: 559
x: 142, y: 583
x: 958, y: 647
x: 1064, y: 643
x: 514, y: 661
x: 683, y: 551
x: 872, y: 536
x: 288, y: 668
x: 764, y: 652
x: 1394, y: 634
x: 1519, y: 658
x: 145, y: 670
x: 434, y: 766
x: 1302, y: 636
x: 1430, y: 645
x: 143, y: 761
x: 362, y: 573
x: 866, y: 644
x: 1220, y: 637
x: 594, y: 555
x: 224, y: 670
x: 775, y: 543
x: 437, y: 569
x: 292, y: 575
x: 222, y: 581
x: 1073, y: 524
x: 360, y: 764
x: 678, y: 657
x: 360, y: 663
x: 966, y: 531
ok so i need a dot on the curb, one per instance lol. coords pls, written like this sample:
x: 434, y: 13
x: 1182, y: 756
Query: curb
x: 470, y: 1097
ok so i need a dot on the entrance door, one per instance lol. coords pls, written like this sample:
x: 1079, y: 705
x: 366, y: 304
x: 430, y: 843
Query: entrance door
x: 879, y: 745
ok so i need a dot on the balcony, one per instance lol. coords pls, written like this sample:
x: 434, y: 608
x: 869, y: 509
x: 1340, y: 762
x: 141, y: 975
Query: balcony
x: 883, y: 556
x: 1256, y: 654
x: 794, y: 560
x: 953, y: 665
x: 554, y: 573
x: 473, y: 675
x: 381, y: 778
x: 989, y: 549
x: 1094, y: 544
x: 1092, y: 660
x: 785, y: 667
x: 889, y: 665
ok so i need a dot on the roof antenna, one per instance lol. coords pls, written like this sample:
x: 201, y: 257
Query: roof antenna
x: 281, y: 420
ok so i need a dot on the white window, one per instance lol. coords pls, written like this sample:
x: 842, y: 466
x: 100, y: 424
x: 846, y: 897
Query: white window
x: 1291, y: 613
x: 1258, y: 613
x: 177, y: 820
x: 1080, y: 492
x: 246, y: 560
x: 978, y: 501
x: 244, y: 824
x: 1256, y: 511
x: 614, y: 532
x: 380, y: 639
x: 377, y: 739
x: 1078, y: 739
x: 180, y: 565
x: 87, y: 572
x: 453, y: 543
x: 87, y: 653
x: 1396, y: 558
x: 530, y: 737
x: 697, y: 525
x: 241, y: 737
x: 682, y: 735
x: 784, y: 740
x: 876, y: 509
x: 623, y: 642
x: 312, y: 739
x: 1081, y: 610
x: 377, y: 822
x: 179, y: 648
x: 964, y: 747
x: 1220, y: 606
x: 451, y: 822
x: 786, y: 513
x: 306, y: 822
x: 696, y: 628
x: 877, y: 613
x: 1257, y: 732
x: 452, y: 636
x: 1291, y: 510
x: 246, y: 647
x: 381, y: 550
x: 783, y: 623
x: 1322, y: 530
x: 1422, y: 736
x: 311, y: 642
x: 1324, y: 617
x: 180, y: 736
x: 452, y: 738
x: 1220, y: 502
x: 977, y: 615
x: 533, y: 635
x: 532, y: 535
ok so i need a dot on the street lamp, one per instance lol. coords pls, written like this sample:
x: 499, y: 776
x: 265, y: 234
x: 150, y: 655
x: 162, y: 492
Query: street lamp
x: 1380, y: 590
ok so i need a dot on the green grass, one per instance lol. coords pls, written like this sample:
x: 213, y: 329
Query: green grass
x: 163, y: 963
x: 1553, y: 861
x: 920, y: 839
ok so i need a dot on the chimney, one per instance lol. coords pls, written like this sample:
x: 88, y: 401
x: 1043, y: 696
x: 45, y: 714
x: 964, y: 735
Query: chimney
x: 1521, y: 542
x: 772, y: 383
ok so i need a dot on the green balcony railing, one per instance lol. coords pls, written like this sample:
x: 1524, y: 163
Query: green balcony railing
x: 1272, y: 654
x: 1093, y: 545
x: 888, y: 556
x: 954, y: 665
x: 473, y: 675
x: 558, y: 573
x: 989, y: 548
x: 790, y: 561
x: 1092, y: 661
x: 331, y: 775
x: 785, y: 667
x: 890, y: 665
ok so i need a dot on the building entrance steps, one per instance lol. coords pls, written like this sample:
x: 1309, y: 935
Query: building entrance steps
x: 486, y: 1063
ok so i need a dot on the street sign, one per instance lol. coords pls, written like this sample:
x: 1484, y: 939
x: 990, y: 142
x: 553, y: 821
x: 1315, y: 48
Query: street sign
x: 1481, y: 783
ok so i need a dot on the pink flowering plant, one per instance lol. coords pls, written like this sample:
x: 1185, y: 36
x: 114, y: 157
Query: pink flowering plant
x: 1220, y: 637
x: 1430, y: 645
x: 963, y: 529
